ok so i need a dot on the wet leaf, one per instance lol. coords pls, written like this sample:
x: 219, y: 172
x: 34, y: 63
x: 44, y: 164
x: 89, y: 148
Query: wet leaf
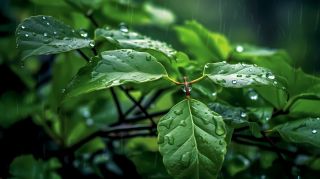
x: 135, y: 41
x: 43, y: 35
x: 240, y: 76
x: 113, y: 68
x: 199, y: 152
x: 302, y: 130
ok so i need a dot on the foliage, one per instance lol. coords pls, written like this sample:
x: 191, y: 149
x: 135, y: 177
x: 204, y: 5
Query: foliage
x: 113, y: 87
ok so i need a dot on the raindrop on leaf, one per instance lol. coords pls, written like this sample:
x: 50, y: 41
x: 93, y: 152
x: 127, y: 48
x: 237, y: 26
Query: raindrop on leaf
x: 234, y: 81
x: 27, y: 35
x: 178, y: 112
x: 22, y: 27
x: 239, y: 49
x: 270, y: 75
x: 48, y: 23
x: 123, y: 27
x: 243, y: 114
x: 184, y: 87
x: 314, y: 131
x: 253, y: 95
x: 83, y: 32
x: 63, y: 90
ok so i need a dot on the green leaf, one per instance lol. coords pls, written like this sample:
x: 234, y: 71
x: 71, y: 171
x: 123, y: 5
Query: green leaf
x: 234, y: 118
x: 299, y: 131
x: 114, y: 68
x: 26, y: 166
x: 241, y: 75
x: 135, y: 41
x: 203, y: 44
x: 192, y: 140
x: 305, y: 107
x: 43, y: 35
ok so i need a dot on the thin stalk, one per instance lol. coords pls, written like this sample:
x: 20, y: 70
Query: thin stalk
x: 139, y: 105
x: 197, y: 79
x: 83, y: 55
x: 121, y: 117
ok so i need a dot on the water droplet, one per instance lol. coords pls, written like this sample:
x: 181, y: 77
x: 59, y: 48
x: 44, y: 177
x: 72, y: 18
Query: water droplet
x: 72, y: 31
x: 220, y: 130
x: 221, y: 80
x: 248, y: 76
x: 243, y: 114
x: 22, y: 27
x: 183, y: 87
x: 250, y: 69
x: 27, y: 35
x: 183, y: 123
x: 253, y: 95
x: 46, y: 41
x: 239, y: 49
x: 148, y: 58
x: 214, y: 94
x: 45, y: 34
x: 185, y: 159
x: 314, y: 131
x: 123, y: 27
x: 34, y: 34
x: 91, y: 44
x: 55, y: 32
x: 160, y: 139
x: 267, y: 118
x: 206, y: 66
x: 205, y: 121
x: 318, y: 118
x: 178, y: 112
x: 43, y: 18
x: 170, y: 139
x: 22, y: 64
x: 220, y: 142
x: 224, y: 61
x: 83, y: 32
x: 243, y: 64
x: 234, y: 81
x: 166, y: 122
x: 48, y: 23
x: 87, y: 114
x: 63, y: 90
x: 89, y: 122
x: 239, y: 75
x: 275, y: 82
x: 270, y: 75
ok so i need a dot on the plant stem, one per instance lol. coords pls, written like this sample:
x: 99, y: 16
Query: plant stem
x: 121, y: 117
x: 83, y: 55
x: 134, y: 106
x: 139, y: 105
x: 286, y: 168
x: 197, y: 79
x: 94, y: 51
x: 92, y: 20
x: 186, y: 86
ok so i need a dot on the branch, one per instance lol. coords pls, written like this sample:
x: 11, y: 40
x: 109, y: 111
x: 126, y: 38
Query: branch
x: 94, y: 51
x: 92, y: 20
x: 286, y: 168
x: 280, y: 112
x: 121, y: 117
x: 134, y: 106
x: 83, y: 55
x: 139, y: 105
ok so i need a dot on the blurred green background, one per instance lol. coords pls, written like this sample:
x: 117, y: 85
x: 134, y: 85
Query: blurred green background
x: 30, y: 95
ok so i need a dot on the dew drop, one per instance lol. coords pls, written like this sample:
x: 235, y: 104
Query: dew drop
x: 253, y: 95
x: 91, y: 44
x: 148, y: 58
x: 160, y: 139
x: 72, y: 31
x: 267, y: 118
x: 239, y: 75
x: 224, y: 61
x: 275, y: 82
x: 183, y: 123
x: 220, y: 142
x: 243, y: 64
x: 178, y: 112
x: 234, y: 81
x: 185, y: 159
x: 54, y: 32
x: 48, y: 23
x: 314, y: 131
x: 123, y: 27
x: 243, y: 114
x: 239, y: 49
x: 89, y: 122
x: 170, y: 139
x: 63, y: 90
x: 183, y: 87
x: 206, y: 66
x: 43, y: 18
x: 205, y: 121
x: 214, y: 94
x: 83, y: 32
x: 46, y: 41
x: 23, y: 27
x: 26, y: 35
x: 34, y: 34
x: 166, y: 122
x: 45, y: 34
x: 270, y: 75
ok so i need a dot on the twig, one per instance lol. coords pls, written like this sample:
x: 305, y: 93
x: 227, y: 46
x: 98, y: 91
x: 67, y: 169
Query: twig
x: 139, y: 118
x: 83, y: 55
x: 121, y: 117
x: 280, y: 112
x: 92, y: 20
x: 286, y: 168
x: 94, y: 51
x: 139, y: 105
x: 134, y: 106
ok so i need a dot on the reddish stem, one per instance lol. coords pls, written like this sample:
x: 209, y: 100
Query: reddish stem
x: 186, y: 86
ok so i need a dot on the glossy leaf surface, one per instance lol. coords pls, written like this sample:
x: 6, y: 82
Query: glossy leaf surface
x: 192, y: 140
x: 240, y: 75
x: 299, y: 131
x: 43, y: 35
x: 113, y: 68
